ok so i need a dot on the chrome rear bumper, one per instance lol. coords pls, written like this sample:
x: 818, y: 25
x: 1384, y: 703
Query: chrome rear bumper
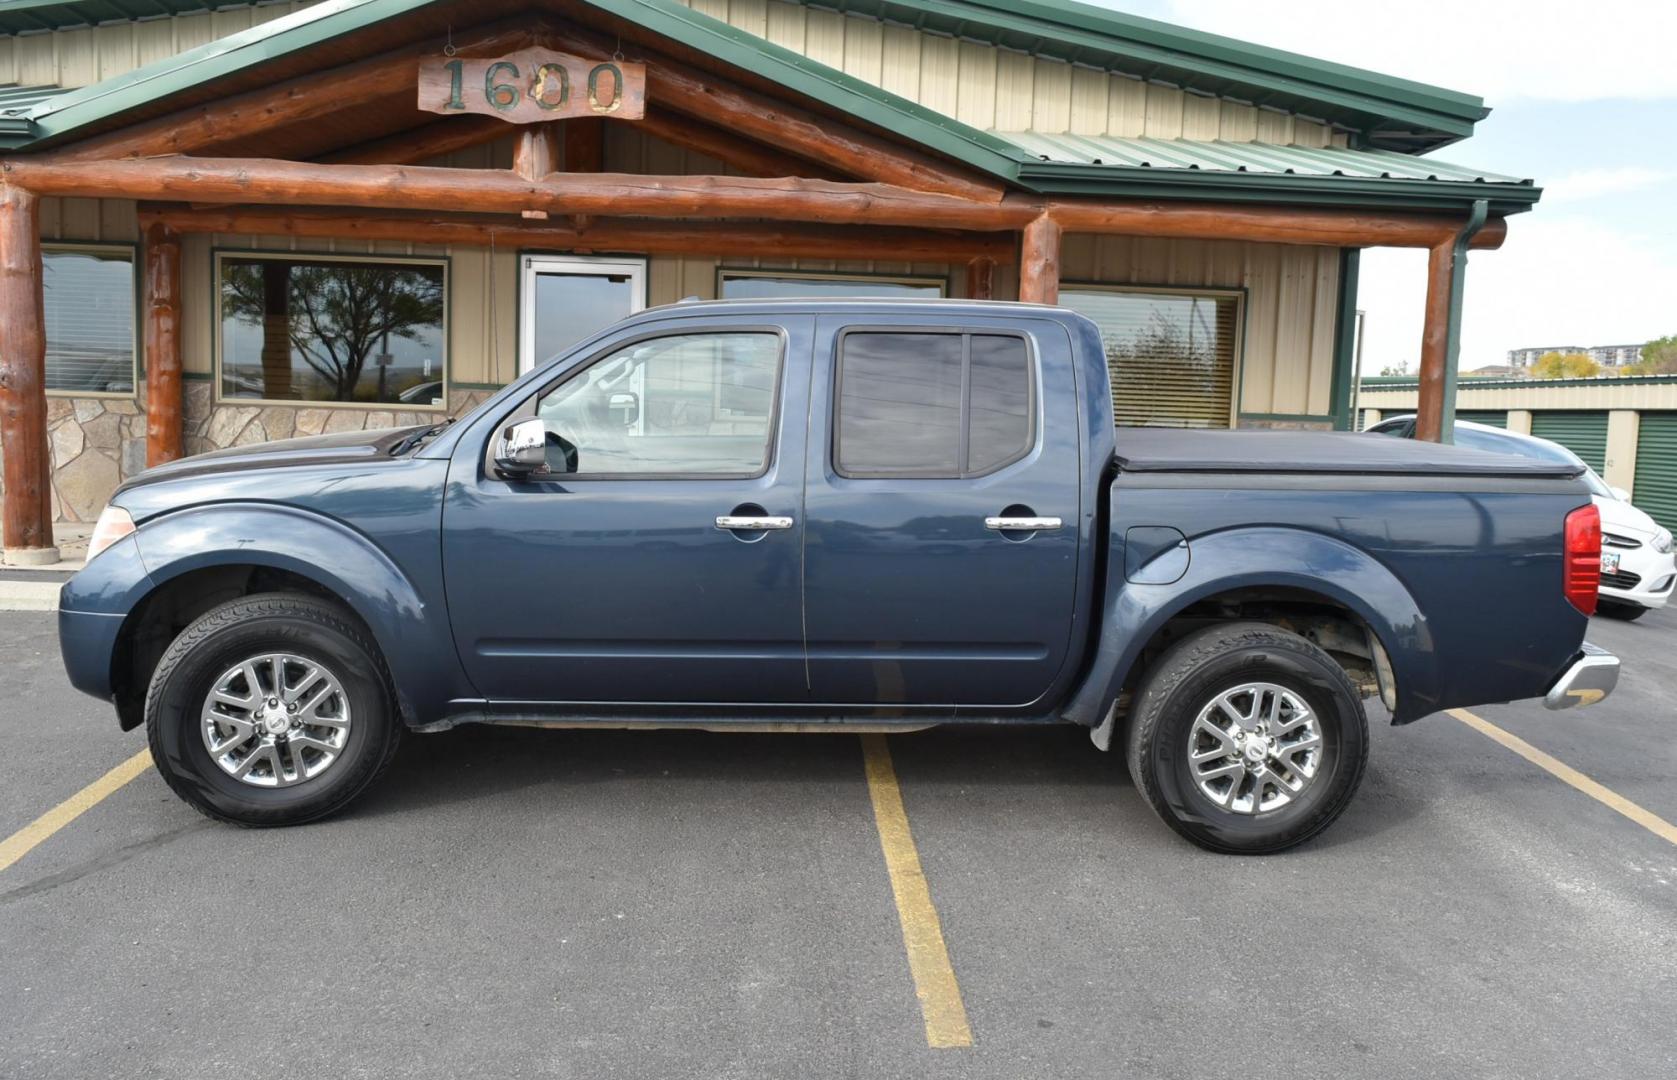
x: 1589, y: 678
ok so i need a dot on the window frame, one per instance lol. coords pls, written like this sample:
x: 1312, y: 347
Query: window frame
x: 134, y: 294
x: 723, y: 273
x: 1240, y: 294
x: 526, y: 409
x: 532, y: 264
x: 1033, y: 433
x: 217, y: 349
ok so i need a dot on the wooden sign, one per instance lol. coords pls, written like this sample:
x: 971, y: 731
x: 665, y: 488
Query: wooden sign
x: 532, y: 85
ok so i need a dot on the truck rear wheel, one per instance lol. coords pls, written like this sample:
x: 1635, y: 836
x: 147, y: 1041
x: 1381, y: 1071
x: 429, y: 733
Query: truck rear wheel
x: 271, y: 710
x: 1247, y: 739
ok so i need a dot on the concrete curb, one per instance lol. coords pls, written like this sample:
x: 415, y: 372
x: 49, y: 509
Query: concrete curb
x: 29, y: 595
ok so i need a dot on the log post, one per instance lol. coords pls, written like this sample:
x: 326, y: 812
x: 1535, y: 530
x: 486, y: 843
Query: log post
x: 163, y: 345
x: 981, y: 278
x: 535, y: 155
x: 1039, y: 262
x: 1435, y: 419
x: 27, y: 524
x: 1435, y: 344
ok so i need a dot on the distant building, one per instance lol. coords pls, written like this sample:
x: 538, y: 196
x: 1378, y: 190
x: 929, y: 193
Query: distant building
x: 1605, y: 355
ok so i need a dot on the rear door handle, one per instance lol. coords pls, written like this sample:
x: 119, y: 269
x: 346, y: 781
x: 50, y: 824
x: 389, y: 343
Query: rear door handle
x: 742, y: 523
x: 1022, y: 524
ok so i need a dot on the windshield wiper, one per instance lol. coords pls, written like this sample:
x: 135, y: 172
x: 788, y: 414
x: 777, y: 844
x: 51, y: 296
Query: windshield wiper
x: 414, y: 438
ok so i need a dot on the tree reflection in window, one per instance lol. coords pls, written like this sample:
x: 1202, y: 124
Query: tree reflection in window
x: 296, y: 330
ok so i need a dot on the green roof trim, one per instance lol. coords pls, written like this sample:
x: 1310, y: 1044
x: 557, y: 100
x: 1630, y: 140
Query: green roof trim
x: 1254, y: 171
x: 1047, y: 164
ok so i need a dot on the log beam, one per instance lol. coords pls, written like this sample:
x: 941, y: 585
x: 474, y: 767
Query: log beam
x: 602, y: 235
x: 1039, y: 262
x: 291, y: 183
x: 27, y: 511
x: 849, y: 151
x: 294, y: 101
x: 164, y: 400
x: 392, y: 187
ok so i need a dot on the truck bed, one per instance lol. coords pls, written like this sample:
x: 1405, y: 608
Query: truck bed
x: 1176, y: 450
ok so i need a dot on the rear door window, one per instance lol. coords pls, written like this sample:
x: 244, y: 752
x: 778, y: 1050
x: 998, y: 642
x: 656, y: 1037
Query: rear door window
x: 943, y: 404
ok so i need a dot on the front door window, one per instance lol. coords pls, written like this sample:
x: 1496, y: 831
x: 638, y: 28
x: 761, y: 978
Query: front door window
x: 565, y: 299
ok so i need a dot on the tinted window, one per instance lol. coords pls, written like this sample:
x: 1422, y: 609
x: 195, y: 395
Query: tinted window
x: 931, y: 405
x: 692, y: 404
x: 1000, y: 426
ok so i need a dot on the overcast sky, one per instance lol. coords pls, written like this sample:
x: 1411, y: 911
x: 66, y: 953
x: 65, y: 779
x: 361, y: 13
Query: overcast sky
x: 1584, y: 100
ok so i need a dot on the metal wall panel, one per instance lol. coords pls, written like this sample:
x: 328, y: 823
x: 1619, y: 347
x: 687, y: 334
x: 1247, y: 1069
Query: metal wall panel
x: 1655, y: 491
x: 1584, y: 433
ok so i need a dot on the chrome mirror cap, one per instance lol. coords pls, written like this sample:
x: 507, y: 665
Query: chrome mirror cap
x: 522, y: 450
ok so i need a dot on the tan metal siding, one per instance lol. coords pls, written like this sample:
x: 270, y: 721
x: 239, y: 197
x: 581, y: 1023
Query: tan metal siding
x: 1003, y: 90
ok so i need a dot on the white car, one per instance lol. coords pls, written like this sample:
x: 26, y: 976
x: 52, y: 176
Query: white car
x: 1638, y: 570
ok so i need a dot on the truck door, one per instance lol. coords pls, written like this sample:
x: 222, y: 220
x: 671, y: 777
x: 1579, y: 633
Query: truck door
x: 658, y: 560
x: 941, y: 511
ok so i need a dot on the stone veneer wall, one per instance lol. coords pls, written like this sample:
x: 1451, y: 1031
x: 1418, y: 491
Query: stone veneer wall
x: 96, y: 443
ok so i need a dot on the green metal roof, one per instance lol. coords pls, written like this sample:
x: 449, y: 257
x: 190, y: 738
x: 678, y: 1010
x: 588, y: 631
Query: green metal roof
x: 1384, y: 111
x: 1220, y: 168
x: 69, y: 115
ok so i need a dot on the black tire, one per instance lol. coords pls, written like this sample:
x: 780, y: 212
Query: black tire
x: 1188, y: 676
x: 246, y: 627
x: 1612, y: 609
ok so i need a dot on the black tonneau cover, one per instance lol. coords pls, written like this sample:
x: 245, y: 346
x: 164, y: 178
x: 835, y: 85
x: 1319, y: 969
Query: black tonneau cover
x: 1153, y: 450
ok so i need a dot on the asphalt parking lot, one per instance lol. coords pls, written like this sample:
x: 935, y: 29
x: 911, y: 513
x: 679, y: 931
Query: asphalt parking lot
x: 516, y: 903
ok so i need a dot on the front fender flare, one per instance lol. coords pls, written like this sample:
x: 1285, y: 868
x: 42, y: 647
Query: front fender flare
x: 415, y: 640
x: 1272, y: 557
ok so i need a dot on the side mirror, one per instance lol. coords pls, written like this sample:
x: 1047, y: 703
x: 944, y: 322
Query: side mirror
x: 1621, y: 494
x: 625, y: 407
x: 522, y: 450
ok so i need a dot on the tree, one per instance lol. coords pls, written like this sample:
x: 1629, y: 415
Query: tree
x: 1395, y: 369
x: 340, y: 314
x: 1659, y: 357
x: 1554, y: 365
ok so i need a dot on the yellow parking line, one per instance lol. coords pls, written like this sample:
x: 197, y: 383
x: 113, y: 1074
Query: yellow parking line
x: 22, y: 842
x: 1568, y: 775
x: 928, y: 959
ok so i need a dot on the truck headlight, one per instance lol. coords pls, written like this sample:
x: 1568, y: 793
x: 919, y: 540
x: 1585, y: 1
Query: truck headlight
x: 1661, y: 541
x: 114, y: 524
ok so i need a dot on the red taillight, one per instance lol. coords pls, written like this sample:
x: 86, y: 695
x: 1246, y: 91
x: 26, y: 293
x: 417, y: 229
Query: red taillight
x: 1583, y: 557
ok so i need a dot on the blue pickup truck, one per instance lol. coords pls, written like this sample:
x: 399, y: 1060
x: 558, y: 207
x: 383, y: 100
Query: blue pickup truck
x: 827, y: 516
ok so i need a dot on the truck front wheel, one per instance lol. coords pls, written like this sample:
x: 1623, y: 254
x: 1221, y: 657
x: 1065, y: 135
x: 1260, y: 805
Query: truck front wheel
x: 271, y: 710
x: 1247, y: 739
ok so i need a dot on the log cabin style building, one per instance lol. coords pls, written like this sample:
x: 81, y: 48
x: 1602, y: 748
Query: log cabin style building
x: 222, y: 225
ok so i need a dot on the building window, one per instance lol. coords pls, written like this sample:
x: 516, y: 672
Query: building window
x: 318, y: 328
x: 780, y: 284
x: 89, y: 293
x: 1172, y: 354
x: 931, y: 404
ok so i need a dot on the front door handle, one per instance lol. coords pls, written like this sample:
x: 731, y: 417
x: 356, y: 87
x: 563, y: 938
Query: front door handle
x: 747, y: 523
x: 1022, y: 524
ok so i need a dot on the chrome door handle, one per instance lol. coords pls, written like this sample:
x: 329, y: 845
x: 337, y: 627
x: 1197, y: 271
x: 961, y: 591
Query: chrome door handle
x: 1022, y: 524
x: 738, y: 523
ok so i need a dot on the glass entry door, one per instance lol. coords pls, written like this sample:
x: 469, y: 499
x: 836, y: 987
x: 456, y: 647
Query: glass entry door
x: 565, y: 298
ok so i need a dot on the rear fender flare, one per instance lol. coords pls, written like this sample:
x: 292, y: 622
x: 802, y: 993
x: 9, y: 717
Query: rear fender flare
x: 1256, y: 557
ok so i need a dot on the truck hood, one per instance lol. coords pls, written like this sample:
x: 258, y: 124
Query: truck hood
x: 351, y: 447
